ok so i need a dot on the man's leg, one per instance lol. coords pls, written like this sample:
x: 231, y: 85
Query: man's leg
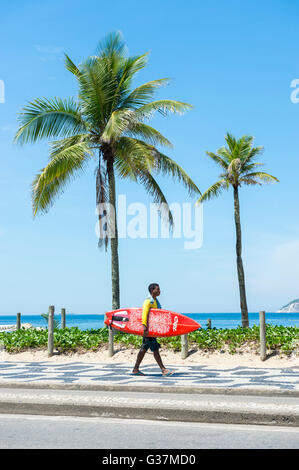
x: 140, y: 356
x: 160, y: 363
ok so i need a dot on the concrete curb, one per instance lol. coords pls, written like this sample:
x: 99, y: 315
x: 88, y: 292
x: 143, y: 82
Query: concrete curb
x: 163, y: 410
x: 207, y: 409
x: 162, y: 414
x: 146, y: 388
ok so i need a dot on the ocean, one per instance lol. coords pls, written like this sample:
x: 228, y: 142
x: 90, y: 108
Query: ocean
x: 219, y: 320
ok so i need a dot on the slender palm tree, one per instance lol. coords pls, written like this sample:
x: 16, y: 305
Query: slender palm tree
x: 107, y: 122
x: 238, y: 168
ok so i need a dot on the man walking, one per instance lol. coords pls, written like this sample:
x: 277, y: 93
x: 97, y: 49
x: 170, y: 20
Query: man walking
x: 150, y: 343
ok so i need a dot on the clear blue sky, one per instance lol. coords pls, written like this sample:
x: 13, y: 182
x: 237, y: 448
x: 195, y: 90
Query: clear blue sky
x: 234, y: 61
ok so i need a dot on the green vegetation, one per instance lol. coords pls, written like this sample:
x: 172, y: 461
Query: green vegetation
x: 280, y: 339
x: 45, y: 316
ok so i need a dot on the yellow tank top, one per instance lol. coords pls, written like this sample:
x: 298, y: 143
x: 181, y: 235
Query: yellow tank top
x: 147, y: 305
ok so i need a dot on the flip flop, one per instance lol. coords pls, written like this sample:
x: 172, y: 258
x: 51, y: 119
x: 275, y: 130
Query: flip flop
x: 137, y: 373
x: 171, y: 372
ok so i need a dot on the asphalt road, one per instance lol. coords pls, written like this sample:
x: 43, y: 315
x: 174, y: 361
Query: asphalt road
x: 52, y: 432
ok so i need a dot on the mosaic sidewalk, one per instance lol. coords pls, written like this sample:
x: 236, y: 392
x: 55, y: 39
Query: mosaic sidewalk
x: 92, y: 374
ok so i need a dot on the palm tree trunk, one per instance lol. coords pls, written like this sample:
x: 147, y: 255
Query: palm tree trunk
x: 114, y: 237
x: 241, y: 276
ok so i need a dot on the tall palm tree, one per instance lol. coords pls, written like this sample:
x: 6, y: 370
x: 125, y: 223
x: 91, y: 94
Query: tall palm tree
x: 106, y: 122
x: 238, y: 168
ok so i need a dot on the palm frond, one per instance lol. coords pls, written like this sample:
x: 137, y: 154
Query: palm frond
x: 249, y: 181
x: 136, y: 157
x: 132, y: 158
x: 231, y: 141
x: 247, y: 153
x: 148, y: 134
x: 136, y: 152
x: 124, y: 70
x: 112, y: 52
x: 69, y: 64
x: 125, y: 122
x: 238, y: 148
x: 167, y: 166
x: 112, y: 45
x: 253, y: 152
x: 97, y: 88
x: 128, y: 168
x: 48, y: 119
x: 258, y: 176
x: 247, y: 167
x: 163, y: 107
x: 119, y: 122
x: 218, y: 159
x: 213, y: 191
x: 129, y: 68
x: 152, y: 187
x: 142, y: 94
x: 137, y: 170
x: 72, y: 144
x: 66, y: 161
x: 225, y: 154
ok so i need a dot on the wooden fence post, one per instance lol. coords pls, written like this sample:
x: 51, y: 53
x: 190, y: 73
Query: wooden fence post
x: 18, y: 321
x: 51, y: 331
x: 184, y: 346
x: 110, y: 339
x: 111, y: 345
x: 263, y: 354
x: 63, y: 318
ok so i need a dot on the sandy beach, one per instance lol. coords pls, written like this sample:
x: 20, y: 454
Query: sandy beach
x: 128, y: 356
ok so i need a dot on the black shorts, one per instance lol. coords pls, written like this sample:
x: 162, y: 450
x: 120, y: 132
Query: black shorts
x: 151, y: 343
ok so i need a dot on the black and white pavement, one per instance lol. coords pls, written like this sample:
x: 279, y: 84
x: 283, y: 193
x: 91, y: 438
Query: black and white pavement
x: 101, y: 375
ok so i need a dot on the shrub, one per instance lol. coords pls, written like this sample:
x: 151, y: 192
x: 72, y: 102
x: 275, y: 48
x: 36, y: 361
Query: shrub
x: 281, y: 339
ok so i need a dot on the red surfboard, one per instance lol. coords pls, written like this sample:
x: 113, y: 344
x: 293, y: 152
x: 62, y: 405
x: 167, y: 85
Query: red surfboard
x: 161, y: 322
